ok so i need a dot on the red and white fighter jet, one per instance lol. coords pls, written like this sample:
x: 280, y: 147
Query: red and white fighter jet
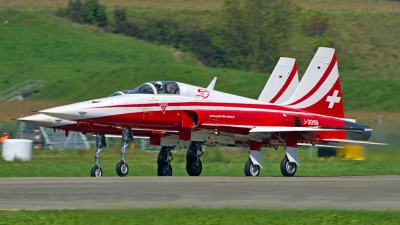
x: 313, y: 115
x: 280, y: 86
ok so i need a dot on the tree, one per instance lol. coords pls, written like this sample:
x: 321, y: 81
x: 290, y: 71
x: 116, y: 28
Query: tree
x: 254, y: 32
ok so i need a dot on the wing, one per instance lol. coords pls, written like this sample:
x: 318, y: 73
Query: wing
x: 353, y: 141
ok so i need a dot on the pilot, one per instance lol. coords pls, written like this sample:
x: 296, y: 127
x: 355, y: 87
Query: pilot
x: 159, y: 87
x: 170, y: 88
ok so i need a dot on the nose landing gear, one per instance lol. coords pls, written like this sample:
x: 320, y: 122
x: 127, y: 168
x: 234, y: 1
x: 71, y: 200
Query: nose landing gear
x: 122, y: 167
x: 96, y: 170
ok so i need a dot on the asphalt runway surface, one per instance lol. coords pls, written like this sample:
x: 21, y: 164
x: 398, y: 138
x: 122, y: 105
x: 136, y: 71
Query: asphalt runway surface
x: 372, y: 192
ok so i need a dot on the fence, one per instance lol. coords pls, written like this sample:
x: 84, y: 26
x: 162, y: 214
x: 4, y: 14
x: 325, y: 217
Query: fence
x: 23, y: 89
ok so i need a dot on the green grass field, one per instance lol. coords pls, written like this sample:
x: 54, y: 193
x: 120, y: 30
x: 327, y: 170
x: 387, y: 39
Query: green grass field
x: 188, y: 216
x: 80, y: 62
x: 216, y: 162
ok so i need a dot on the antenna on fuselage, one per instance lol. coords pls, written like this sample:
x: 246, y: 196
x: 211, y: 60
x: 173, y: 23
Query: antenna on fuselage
x: 212, y: 84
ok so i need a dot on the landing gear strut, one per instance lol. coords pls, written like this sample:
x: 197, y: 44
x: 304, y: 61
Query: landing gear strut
x: 193, y: 162
x: 164, y: 161
x: 122, y: 168
x: 96, y: 170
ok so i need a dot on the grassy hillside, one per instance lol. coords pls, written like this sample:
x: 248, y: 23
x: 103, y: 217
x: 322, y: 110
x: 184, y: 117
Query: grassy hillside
x: 81, y: 62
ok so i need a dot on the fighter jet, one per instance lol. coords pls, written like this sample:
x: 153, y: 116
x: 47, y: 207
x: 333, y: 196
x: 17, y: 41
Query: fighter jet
x: 279, y: 87
x: 200, y: 115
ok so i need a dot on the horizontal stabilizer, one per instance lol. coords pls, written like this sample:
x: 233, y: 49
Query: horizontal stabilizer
x: 317, y: 145
x: 354, y: 141
x: 119, y: 136
x: 287, y: 129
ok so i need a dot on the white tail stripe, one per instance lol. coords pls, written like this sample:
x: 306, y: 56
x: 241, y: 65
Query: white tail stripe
x: 282, y: 82
x: 323, y: 60
x: 320, y: 93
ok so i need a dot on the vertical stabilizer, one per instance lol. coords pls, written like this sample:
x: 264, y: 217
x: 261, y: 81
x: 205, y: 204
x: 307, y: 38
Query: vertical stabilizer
x: 282, y: 83
x: 319, y: 90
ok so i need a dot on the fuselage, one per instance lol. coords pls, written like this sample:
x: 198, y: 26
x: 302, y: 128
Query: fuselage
x: 194, y: 108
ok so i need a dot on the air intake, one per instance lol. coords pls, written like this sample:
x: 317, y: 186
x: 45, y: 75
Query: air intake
x: 297, y: 121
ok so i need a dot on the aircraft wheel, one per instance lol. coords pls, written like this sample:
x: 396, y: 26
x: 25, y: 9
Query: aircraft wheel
x: 288, y: 169
x: 162, y: 156
x: 122, y: 168
x: 194, y: 167
x: 96, y: 171
x: 164, y: 170
x: 251, y: 170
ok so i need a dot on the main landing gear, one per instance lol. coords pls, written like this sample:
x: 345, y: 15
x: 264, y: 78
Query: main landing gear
x: 193, y: 162
x: 250, y: 169
x: 164, y: 161
x: 122, y: 168
x: 288, y: 169
x: 96, y: 170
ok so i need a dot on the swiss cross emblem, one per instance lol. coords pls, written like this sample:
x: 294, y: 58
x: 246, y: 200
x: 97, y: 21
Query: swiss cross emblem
x: 163, y: 106
x: 333, y: 99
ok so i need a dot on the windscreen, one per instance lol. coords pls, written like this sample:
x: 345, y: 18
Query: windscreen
x: 143, y: 89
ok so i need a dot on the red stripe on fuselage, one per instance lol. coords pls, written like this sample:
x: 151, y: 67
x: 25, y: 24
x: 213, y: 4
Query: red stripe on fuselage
x: 287, y: 83
x: 209, y: 104
x: 320, y: 82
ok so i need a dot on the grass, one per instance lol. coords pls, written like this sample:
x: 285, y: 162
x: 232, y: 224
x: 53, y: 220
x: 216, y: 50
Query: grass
x: 81, y: 62
x: 199, y: 216
x: 216, y: 162
x: 81, y: 58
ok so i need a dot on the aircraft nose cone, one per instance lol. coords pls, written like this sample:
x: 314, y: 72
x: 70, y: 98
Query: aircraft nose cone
x: 67, y: 112
x: 39, y: 120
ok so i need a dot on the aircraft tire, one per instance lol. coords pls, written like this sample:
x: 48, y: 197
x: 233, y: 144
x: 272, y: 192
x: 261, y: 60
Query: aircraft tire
x: 194, y: 167
x: 96, y: 171
x: 164, y: 170
x: 162, y: 156
x: 251, y: 170
x: 288, y: 169
x: 122, y: 168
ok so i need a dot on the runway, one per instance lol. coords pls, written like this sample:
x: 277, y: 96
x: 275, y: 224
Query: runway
x: 373, y: 192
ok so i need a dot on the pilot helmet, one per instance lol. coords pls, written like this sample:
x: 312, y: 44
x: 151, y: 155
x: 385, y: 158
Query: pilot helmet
x: 159, y: 86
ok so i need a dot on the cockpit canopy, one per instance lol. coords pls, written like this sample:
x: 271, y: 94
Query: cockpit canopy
x: 156, y: 87
x: 122, y: 92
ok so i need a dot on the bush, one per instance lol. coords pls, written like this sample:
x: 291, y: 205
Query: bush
x: 129, y: 29
x: 74, y: 11
x: 119, y: 14
x: 94, y: 13
x: 200, y: 43
x: 325, y: 40
x: 185, y: 38
x: 254, y: 32
x: 316, y: 25
x: 164, y: 32
x: 90, y: 12
x: 9, y: 126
